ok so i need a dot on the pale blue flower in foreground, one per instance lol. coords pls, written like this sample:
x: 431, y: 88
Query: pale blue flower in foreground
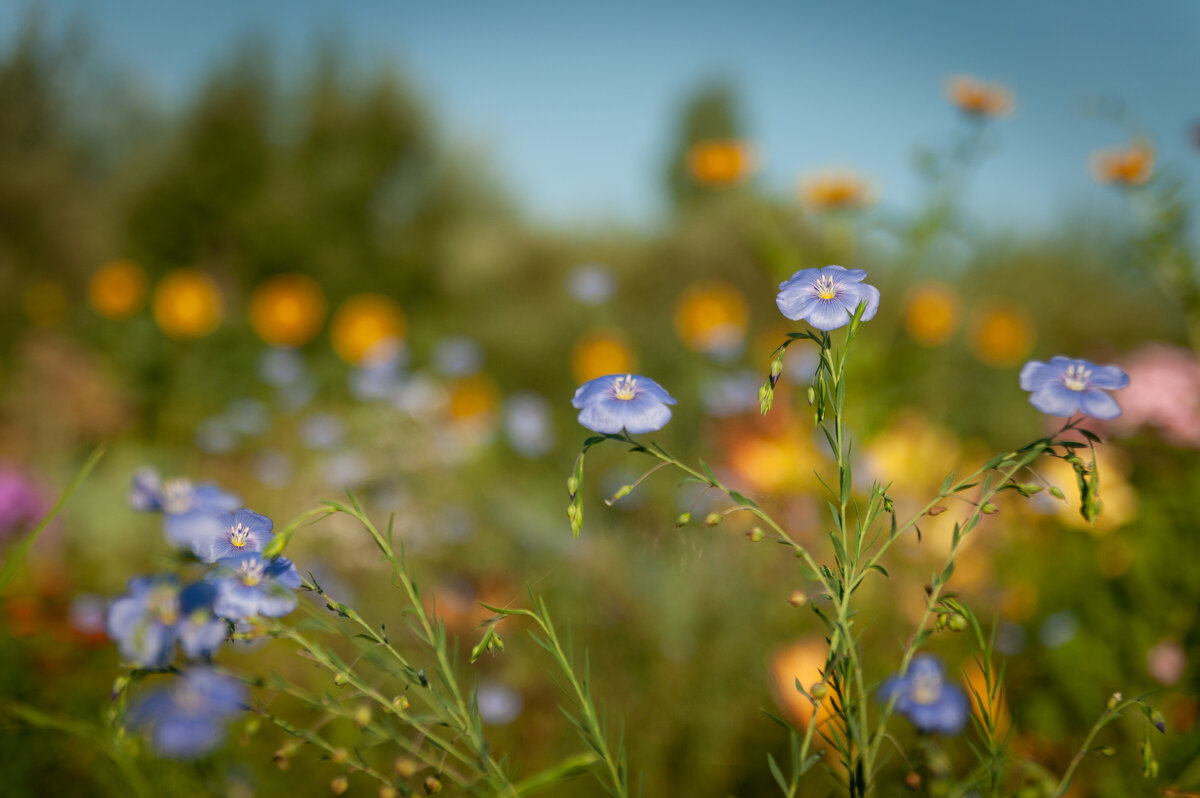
x: 187, y: 719
x: 827, y: 298
x: 235, y: 533
x: 925, y: 697
x: 623, y: 402
x: 247, y: 585
x: 1066, y: 386
x: 157, y: 613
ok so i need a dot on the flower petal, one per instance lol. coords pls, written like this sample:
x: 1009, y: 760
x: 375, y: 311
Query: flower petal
x: 1035, y: 374
x: 1110, y: 378
x: 1098, y: 404
x: 181, y: 736
x: 653, y: 390
x: 830, y: 314
x: 797, y: 303
x: 844, y: 275
x: 868, y: 294
x: 1055, y: 399
x: 592, y: 390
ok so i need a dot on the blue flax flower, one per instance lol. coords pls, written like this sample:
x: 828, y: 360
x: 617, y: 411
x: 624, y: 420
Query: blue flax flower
x: 1065, y: 386
x: 189, y: 508
x: 157, y: 613
x: 232, y: 534
x: 623, y: 401
x: 827, y: 298
x: 925, y: 697
x: 247, y: 585
x: 187, y: 718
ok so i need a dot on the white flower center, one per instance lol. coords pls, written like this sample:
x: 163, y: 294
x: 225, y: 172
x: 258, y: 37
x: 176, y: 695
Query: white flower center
x: 239, y: 535
x: 251, y: 572
x: 177, y: 495
x: 925, y: 688
x: 825, y: 287
x: 625, y: 387
x: 1076, y: 377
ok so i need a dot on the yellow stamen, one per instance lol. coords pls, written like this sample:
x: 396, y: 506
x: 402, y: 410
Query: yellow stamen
x: 925, y: 689
x: 825, y: 287
x: 625, y: 387
x: 1076, y: 377
x: 239, y: 536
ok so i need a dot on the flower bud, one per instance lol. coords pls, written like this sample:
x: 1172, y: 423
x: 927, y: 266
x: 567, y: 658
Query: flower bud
x: 405, y: 767
x: 1114, y: 700
x: 683, y: 520
x: 388, y: 791
x: 1156, y: 718
x: 812, y: 396
x: 624, y: 491
x: 712, y: 519
x: 340, y: 679
x: 572, y: 486
x: 1056, y: 492
x: 936, y: 510
x: 362, y: 716
x: 797, y: 598
x: 281, y: 759
x: 989, y: 509
x: 339, y: 785
x: 818, y: 690
x: 913, y: 780
x: 755, y: 535
x: 776, y: 367
x: 956, y: 623
x: 339, y: 755
x: 432, y: 785
x: 1106, y: 750
x: 400, y: 703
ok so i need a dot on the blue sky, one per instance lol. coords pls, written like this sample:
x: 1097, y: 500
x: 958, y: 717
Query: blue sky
x: 573, y: 104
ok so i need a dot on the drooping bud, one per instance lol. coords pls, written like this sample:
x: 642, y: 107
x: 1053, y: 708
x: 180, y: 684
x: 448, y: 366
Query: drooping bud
x: 755, y: 535
x: 989, y: 509
x: 798, y: 598
x: 572, y: 486
x: 400, y: 703
x: 956, y: 623
x: 405, y: 767
x: 339, y: 785
x: 818, y: 690
x: 683, y: 520
x: 712, y: 519
x: 432, y: 785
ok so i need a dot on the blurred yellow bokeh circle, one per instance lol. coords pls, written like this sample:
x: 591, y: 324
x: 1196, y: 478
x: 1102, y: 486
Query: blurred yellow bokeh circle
x: 187, y: 304
x: 711, y: 316
x: 288, y: 310
x: 362, y: 323
x: 720, y: 162
x: 931, y: 313
x: 117, y: 289
x: 800, y: 662
x: 600, y: 353
x: 1002, y: 335
x: 835, y: 190
x: 473, y: 398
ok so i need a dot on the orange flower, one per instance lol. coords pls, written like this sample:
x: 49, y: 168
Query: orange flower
x: 931, y: 313
x: 835, y: 191
x: 979, y: 98
x: 364, y: 322
x: 287, y: 310
x: 1002, y: 336
x: 117, y: 289
x: 801, y: 661
x: 600, y: 353
x: 1128, y: 166
x: 187, y: 304
x: 720, y: 162
x: 711, y: 316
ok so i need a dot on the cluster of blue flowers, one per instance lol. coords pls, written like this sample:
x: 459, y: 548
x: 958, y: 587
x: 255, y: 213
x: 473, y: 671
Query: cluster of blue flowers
x: 828, y: 299
x: 161, y: 617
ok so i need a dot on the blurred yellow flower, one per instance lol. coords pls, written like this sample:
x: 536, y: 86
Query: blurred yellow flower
x: 997, y: 705
x: 711, y: 316
x: 600, y: 353
x: 773, y: 463
x: 912, y: 453
x: 474, y: 398
x: 287, y: 310
x: 1127, y: 166
x: 1002, y: 335
x: 801, y: 661
x: 979, y: 98
x: 45, y: 303
x: 931, y: 313
x: 835, y: 191
x: 187, y: 304
x: 364, y: 322
x: 720, y: 162
x: 117, y: 289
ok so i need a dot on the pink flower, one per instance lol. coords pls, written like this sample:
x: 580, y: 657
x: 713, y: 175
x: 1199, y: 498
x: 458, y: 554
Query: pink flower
x: 1164, y: 392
